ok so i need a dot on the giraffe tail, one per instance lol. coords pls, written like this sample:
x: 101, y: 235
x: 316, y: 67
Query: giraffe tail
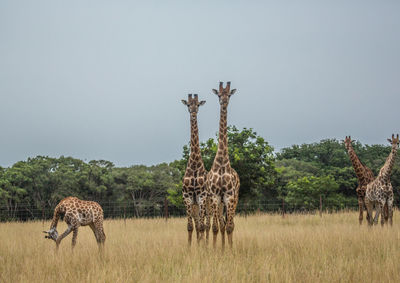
x: 195, y: 211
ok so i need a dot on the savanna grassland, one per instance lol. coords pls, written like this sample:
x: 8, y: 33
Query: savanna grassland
x: 267, y: 248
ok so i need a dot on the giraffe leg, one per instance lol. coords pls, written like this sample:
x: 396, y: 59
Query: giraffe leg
x: 390, y: 209
x: 208, y: 218
x: 386, y: 212
x: 98, y: 231
x: 214, y: 204
x: 369, y: 206
x: 195, y: 215
x: 190, y: 230
x: 91, y: 225
x: 74, y: 236
x: 189, y: 212
x: 367, y: 216
x: 202, y: 214
x: 383, y: 216
x: 361, y: 210
x: 63, y: 235
x: 222, y: 224
x: 378, y: 211
x: 99, y: 234
x: 230, y: 204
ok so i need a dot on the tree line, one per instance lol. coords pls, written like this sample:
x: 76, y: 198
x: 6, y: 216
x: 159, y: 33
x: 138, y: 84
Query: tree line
x: 298, y: 175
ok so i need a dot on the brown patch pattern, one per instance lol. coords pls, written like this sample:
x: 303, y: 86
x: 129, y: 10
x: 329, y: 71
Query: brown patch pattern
x: 222, y: 181
x: 380, y: 192
x: 79, y: 213
x: 194, y: 190
x: 364, y: 176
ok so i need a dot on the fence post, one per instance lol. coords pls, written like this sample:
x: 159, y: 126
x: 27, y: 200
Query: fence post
x: 320, y: 206
x: 166, y: 209
x: 283, y: 208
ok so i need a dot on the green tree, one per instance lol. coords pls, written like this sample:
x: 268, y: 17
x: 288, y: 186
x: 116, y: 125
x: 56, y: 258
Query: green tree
x: 326, y: 153
x: 250, y: 155
x: 304, y: 193
x: 147, y: 186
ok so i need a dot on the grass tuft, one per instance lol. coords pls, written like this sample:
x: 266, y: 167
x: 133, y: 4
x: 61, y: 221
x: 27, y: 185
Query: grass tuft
x: 267, y: 248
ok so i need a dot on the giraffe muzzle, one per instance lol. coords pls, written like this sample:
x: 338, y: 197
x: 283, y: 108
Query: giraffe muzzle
x: 51, y: 234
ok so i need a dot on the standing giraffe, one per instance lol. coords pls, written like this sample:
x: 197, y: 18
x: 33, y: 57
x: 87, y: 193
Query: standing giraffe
x: 222, y: 181
x: 364, y: 176
x: 194, y: 189
x: 77, y: 213
x: 380, y: 191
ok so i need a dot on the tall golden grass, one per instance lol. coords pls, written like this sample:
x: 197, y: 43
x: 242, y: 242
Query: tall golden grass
x: 267, y: 248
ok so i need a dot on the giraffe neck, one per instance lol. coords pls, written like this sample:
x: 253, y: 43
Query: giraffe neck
x: 222, y: 156
x: 359, y: 168
x: 386, y: 170
x: 54, y: 223
x: 56, y: 217
x: 195, y: 156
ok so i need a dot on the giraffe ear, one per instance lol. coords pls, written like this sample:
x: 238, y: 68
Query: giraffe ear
x: 202, y: 102
x: 233, y: 91
x: 389, y: 140
x: 215, y: 91
x: 184, y: 102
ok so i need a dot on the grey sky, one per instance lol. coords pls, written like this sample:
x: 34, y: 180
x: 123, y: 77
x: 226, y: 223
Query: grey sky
x: 104, y: 79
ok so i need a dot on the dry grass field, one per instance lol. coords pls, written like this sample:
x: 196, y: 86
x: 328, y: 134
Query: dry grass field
x: 267, y: 248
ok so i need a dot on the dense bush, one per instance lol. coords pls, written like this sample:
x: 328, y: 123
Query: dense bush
x: 298, y: 175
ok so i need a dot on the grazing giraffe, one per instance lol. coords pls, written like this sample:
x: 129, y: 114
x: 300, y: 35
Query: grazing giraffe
x: 77, y: 213
x: 364, y: 176
x: 194, y: 189
x: 222, y: 181
x: 380, y: 191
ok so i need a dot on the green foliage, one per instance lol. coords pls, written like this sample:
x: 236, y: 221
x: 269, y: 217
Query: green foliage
x: 305, y: 193
x: 148, y: 185
x: 329, y: 158
x: 299, y: 174
x: 326, y: 153
x: 252, y: 158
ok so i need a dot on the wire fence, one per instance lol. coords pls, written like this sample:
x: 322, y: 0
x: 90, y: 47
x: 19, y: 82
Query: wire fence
x: 25, y: 212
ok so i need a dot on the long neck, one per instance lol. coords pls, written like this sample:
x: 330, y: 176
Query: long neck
x: 222, y: 156
x: 195, y: 155
x: 56, y: 217
x: 387, y: 168
x: 364, y: 175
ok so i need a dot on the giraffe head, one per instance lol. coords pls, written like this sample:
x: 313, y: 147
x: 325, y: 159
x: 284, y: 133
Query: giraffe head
x: 52, y: 234
x: 347, y: 142
x: 224, y: 93
x: 193, y: 104
x: 394, y: 141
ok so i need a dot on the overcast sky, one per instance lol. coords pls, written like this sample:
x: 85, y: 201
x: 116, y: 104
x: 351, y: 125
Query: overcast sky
x: 105, y: 79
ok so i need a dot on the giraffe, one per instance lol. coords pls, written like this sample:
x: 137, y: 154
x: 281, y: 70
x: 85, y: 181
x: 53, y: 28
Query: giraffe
x: 222, y: 181
x: 77, y: 213
x: 364, y: 176
x: 380, y: 191
x: 194, y: 189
